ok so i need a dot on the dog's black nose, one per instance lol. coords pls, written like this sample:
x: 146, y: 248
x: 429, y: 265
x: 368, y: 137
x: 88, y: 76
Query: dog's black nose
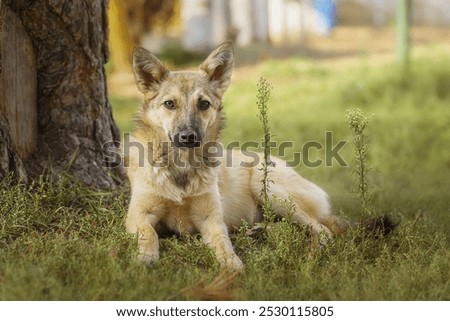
x: 187, y: 138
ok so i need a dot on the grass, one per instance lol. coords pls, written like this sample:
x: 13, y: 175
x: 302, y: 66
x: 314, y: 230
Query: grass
x: 63, y: 241
x: 124, y: 109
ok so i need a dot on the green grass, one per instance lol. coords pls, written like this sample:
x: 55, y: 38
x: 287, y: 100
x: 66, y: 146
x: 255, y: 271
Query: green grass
x: 124, y: 109
x: 62, y: 241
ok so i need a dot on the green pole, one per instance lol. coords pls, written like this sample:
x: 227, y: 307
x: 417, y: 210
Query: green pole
x: 403, y: 40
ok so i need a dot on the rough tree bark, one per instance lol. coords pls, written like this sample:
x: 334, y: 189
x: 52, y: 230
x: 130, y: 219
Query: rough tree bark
x: 10, y: 161
x: 74, y: 115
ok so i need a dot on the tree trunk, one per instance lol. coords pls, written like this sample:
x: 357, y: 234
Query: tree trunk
x: 261, y: 18
x: 10, y: 162
x: 221, y: 21
x: 242, y: 20
x: 277, y: 21
x: 197, y: 24
x: 403, y: 38
x: 74, y: 117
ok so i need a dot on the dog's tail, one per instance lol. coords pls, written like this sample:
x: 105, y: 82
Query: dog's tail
x: 376, y: 227
x: 380, y: 226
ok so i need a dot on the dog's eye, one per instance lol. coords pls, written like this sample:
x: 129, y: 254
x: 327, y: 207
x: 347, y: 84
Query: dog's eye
x: 203, y: 104
x: 169, y: 104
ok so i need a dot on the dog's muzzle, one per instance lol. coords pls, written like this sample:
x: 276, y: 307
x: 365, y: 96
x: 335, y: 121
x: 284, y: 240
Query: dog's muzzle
x: 187, y: 138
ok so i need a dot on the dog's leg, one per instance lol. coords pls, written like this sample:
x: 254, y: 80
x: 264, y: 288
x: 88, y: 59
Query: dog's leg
x: 208, y: 218
x: 311, y: 205
x: 141, y: 220
x: 306, y: 210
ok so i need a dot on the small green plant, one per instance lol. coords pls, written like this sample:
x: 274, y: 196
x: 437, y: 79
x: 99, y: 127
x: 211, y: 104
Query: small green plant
x: 358, y: 122
x: 269, y: 202
x: 262, y: 98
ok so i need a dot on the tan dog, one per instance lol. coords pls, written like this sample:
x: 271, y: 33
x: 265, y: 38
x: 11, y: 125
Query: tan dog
x: 176, y: 186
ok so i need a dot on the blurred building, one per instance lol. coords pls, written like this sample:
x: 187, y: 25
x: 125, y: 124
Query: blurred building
x: 382, y: 12
x: 203, y: 24
x: 208, y: 22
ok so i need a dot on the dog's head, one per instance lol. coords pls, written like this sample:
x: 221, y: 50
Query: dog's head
x: 184, y: 106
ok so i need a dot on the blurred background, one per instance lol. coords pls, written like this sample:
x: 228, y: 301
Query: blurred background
x: 181, y: 32
x: 177, y: 28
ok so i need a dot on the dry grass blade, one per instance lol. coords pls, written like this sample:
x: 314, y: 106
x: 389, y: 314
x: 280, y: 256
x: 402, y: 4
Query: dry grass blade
x: 221, y: 288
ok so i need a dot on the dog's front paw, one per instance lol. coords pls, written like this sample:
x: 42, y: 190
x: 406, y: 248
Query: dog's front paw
x: 149, y: 258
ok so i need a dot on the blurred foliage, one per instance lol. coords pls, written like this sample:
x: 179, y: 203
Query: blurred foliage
x: 176, y: 55
x: 146, y: 16
x: 129, y: 20
x: 124, y: 109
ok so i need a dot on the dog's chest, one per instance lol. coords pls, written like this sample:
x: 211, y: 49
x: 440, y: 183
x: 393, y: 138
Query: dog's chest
x: 176, y: 184
x: 178, y: 220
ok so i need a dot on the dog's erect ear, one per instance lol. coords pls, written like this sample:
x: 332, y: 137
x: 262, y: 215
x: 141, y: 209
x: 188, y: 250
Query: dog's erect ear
x: 148, y: 70
x: 219, y: 66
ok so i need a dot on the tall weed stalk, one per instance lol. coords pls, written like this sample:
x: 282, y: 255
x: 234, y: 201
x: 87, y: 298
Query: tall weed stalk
x: 262, y: 98
x: 357, y: 121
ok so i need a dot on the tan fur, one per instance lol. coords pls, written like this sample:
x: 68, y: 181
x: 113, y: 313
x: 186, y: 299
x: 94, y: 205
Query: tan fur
x: 206, y: 199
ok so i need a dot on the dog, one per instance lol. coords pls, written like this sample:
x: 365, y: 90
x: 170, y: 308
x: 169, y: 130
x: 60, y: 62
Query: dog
x: 176, y: 186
